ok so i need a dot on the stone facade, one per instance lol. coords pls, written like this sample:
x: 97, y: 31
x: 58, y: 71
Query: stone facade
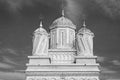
x: 67, y: 55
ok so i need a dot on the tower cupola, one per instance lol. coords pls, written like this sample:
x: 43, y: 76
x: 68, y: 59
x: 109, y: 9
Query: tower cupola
x: 41, y: 30
x: 62, y: 33
x: 85, y: 41
x: 85, y: 30
x: 62, y: 22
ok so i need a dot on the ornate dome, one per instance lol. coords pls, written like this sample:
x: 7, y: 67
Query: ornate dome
x: 62, y: 22
x: 40, y: 30
x: 85, y: 30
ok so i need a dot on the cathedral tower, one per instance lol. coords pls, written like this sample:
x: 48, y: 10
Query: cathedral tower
x: 62, y: 40
x: 84, y: 41
x: 62, y: 33
x: 69, y: 57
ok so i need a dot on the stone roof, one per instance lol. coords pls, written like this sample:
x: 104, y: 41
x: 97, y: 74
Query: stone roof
x: 85, y: 30
x: 63, y: 22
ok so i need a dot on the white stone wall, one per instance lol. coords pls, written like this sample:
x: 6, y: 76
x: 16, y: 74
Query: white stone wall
x: 62, y: 38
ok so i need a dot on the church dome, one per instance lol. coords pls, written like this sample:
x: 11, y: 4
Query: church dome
x: 40, y: 30
x: 85, y: 30
x: 62, y: 22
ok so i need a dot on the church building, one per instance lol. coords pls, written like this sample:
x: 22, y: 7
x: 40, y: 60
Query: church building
x: 62, y: 54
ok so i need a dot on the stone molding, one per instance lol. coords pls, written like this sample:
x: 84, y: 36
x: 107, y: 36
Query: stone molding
x: 63, y: 78
x: 66, y: 65
x: 86, y: 57
x: 39, y: 73
x: 62, y: 50
x: 39, y: 57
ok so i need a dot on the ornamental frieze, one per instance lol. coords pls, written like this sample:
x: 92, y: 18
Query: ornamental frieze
x: 62, y: 73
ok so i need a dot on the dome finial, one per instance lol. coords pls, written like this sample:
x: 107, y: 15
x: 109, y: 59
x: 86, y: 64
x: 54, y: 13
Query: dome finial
x: 63, y: 12
x: 41, y: 24
x: 84, y: 24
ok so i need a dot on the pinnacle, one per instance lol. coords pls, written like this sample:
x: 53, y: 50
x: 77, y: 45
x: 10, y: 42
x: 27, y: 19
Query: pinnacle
x: 41, y: 24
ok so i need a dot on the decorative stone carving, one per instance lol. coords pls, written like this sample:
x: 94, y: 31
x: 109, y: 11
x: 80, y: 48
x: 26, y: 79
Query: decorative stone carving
x: 62, y: 56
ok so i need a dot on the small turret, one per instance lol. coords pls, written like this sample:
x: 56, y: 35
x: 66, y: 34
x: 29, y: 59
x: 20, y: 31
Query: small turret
x: 63, y: 13
x: 62, y: 33
x: 85, y: 36
x: 41, y: 24
x: 40, y: 30
x: 85, y: 30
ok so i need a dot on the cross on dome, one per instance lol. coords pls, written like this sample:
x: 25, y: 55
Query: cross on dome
x: 41, y: 24
x: 84, y: 24
x: 63, y: 22
x: 85, y: 30
x: 41, y: 30
x: 63, y: 13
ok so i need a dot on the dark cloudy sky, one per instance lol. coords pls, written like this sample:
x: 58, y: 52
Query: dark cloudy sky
x: 19, y: 18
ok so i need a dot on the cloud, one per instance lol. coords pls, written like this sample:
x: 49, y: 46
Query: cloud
x: 82, y: 8
x: 116, y: 62
x: 12, y: 59
x: 6, y: 66
x: 16, y: 6
x: 21, y: 71
x: 109, y: 7
x: 12, y: 51
x: 101, y: 59
x: 74, y: 10
x: 107, y: 70
x: 9, y: 60
x: 12, y: 76
x: 108, y: 74
x: 8, y: 50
